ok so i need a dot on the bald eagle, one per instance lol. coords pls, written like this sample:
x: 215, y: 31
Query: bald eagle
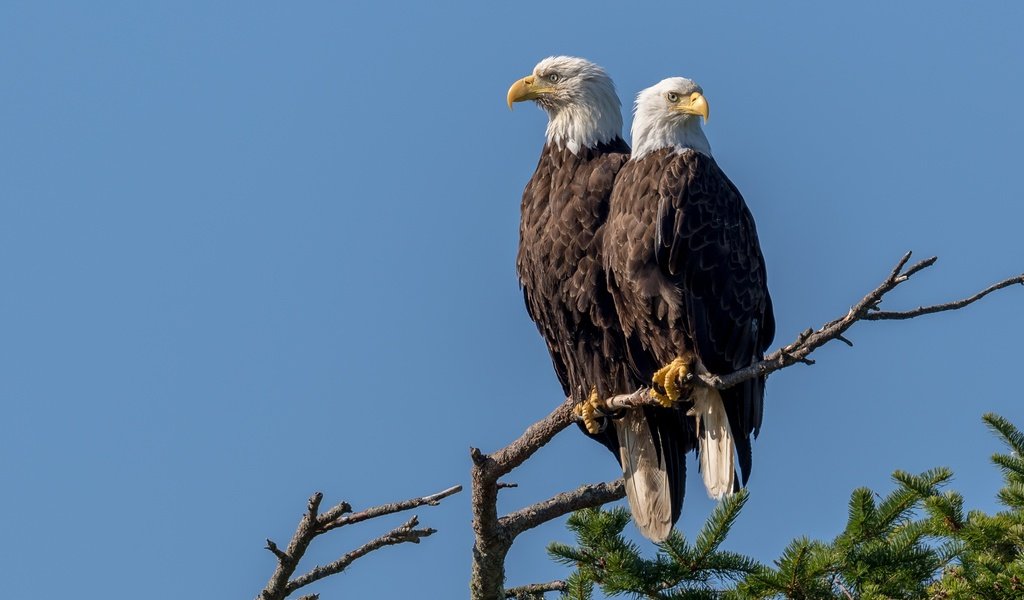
x: 688, y: 279
x: 564, y: 282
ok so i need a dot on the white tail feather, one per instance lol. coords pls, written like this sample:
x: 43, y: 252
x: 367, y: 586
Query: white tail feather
x: 646, y: 478
x: 716, y: 447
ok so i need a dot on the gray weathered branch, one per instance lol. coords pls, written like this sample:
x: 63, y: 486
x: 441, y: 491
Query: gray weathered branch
x: 314, y: 523
x: 494, y: 535
x: 404, y: 533
x: 333, y: 522
x: 561, y: 504
x: 809, y: 340
x: 534, y: 590
x: 867, y: 309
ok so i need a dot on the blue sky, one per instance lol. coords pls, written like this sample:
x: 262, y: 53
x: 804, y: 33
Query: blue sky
x: 253, y: 250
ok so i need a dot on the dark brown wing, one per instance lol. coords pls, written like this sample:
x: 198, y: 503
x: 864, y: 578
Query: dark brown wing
x: 706, y: 245
x: 647, y: 307
x: 564, y: 209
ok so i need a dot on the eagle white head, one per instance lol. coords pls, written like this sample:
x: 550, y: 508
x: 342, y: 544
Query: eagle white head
x: 579, y: 97
x: 667, y: 115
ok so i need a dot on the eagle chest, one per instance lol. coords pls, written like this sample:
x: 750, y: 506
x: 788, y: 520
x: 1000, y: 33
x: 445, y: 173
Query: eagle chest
x: 652, y: 301
x: 558, y: 233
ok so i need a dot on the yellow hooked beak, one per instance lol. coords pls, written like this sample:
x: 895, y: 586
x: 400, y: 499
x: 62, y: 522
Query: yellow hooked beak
x: 525, y: 89
x: 694, y: 104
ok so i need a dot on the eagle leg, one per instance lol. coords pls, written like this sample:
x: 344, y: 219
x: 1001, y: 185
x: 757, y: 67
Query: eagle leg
x: 670, y: 380
x: 591, y: 411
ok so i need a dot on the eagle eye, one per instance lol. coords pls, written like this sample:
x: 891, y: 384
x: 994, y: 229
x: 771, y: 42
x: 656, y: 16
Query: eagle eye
x: 673, y: 97
x: 553, y: 77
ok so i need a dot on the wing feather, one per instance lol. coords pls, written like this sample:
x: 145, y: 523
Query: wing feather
x: 708, y: 248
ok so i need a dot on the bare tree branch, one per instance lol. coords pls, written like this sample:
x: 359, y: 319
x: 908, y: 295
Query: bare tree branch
x: 314, y: 523
x: 561, y: 504
x: 277, y: 551
x: 494, y: 535
x: 387, y: 509
x: 535, y: 436
x: 957, y: 304
x: 277, y: 587
x: 404, y: 533
x: 534, y: 590
x: 867, y: 309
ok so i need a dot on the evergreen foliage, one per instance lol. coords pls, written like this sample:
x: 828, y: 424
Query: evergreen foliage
x: 990, y: 548
x: 915, y: 543
x: 679, y: 570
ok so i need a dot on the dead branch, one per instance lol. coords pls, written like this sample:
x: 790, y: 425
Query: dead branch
x: 314, y: 523
x: 535, y: 436
x: 957, y: 304
x: 404, y: 533
x: 494, y: 535
x: 534, y: 590
x: 867, y: 309
x: 387, y: 509
x: 561, y: 504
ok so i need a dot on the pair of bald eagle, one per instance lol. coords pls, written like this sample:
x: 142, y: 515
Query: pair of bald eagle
x: 638, y: 269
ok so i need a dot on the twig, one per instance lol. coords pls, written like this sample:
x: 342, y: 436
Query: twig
x: 936, y: 308
x: 314, y: 523
x: 534, y: 590
x: 404, y: 533
x: 277, y: 551
x: 387, y: 509
x: 561, y: 504
x: 867, y: 309
x: 810, y: 340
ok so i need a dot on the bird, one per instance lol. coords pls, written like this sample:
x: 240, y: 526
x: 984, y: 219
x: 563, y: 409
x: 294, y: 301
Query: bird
x: 688, y: 280
x: 565, y: 284
x: 564, y: 206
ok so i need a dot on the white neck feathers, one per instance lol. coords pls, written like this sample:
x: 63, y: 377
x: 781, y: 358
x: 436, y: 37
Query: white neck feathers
x: 586, y: 122
x: 653, y: 132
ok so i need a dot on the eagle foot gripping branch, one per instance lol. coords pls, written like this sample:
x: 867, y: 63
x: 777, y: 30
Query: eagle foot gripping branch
x: 671, y: 381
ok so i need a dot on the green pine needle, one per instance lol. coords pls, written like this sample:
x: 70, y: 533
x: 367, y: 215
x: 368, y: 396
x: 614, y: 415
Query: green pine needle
x: 916, y: 542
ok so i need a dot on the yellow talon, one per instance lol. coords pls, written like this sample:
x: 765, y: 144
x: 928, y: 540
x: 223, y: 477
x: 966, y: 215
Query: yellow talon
x: 589, y: 410
x: 668, y: 378
x: 659, y: 380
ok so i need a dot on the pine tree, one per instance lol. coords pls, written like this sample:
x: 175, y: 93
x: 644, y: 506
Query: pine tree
x: 916, y: 542
x: 678, y: 571
x: 989, y: 548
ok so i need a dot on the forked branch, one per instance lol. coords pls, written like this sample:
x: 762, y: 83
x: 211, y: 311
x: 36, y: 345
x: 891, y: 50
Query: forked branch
x: 809, y: 340
x: 315, y: 523
x: 494, y: 535
x: 867, y: 309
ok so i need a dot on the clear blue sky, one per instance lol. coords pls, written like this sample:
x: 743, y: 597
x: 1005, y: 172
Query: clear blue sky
x: 253, y: 250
